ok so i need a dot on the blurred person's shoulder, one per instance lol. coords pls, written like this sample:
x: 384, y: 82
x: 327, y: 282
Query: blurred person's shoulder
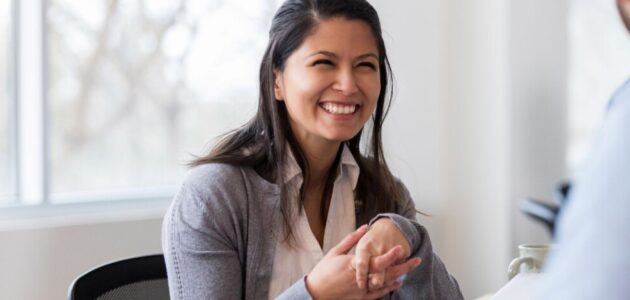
x: 621, y: 98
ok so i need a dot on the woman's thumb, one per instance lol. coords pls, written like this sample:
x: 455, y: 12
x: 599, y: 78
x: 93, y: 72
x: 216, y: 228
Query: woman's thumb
x: 349, y: 241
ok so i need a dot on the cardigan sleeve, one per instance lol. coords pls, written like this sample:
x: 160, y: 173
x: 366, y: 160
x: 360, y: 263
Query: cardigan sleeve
x: 200, y: 238
x: 430, y: 280
x: 297, y: 291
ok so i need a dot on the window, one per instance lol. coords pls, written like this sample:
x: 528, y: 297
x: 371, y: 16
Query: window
x: 130, y: 91
x: 599, y: 64
x: 6, y: 170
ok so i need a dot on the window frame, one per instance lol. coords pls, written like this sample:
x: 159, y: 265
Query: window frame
x: 11, y: 197
x: 29, y: 134
x: 30, y: 138
x: 30, y: 102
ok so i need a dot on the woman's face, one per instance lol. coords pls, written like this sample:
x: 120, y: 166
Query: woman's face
x: 331, y: 83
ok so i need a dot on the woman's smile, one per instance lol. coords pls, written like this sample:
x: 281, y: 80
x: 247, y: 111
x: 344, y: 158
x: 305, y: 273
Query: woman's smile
x: 340, y: 111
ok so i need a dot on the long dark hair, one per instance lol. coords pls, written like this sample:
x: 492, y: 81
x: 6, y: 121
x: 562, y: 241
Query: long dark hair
x: 261, y: 143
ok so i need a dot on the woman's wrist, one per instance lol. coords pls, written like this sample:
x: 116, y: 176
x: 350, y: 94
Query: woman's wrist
x: 388, y: 225
x: 311, y: 289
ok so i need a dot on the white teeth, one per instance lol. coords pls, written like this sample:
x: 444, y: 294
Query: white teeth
x: 339, y: 109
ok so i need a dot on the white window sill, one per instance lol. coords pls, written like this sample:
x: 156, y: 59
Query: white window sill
x: 60, y: 215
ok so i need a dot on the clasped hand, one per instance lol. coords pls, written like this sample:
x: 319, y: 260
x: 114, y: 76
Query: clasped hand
x: 380, y: 259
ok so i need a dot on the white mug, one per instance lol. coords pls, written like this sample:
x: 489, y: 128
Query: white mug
x: 531, y: 259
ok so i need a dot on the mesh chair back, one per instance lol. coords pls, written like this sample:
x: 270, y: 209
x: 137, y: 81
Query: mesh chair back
x: 135, y: 278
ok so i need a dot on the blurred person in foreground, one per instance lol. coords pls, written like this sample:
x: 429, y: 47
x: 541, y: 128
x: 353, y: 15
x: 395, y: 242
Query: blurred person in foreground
x: 592, y: 260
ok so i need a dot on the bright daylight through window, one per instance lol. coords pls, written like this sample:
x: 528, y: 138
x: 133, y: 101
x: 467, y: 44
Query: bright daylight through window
x: 136, y: 86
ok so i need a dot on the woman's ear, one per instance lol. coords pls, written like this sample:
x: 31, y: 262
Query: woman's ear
x: 278, y: 89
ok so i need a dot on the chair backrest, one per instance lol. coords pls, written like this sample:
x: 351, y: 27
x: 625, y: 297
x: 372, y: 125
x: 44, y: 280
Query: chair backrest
x: 139, y: 278
x: 545, y: 212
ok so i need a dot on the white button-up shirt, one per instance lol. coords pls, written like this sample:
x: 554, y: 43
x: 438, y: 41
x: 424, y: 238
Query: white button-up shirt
x: 292, y: 263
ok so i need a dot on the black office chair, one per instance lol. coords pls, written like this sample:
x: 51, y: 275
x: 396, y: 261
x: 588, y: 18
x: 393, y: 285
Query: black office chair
x: 545, y: 212
x: 135, y: 278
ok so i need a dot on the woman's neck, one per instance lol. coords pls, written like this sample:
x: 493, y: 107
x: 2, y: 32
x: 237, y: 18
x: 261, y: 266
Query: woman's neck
x: 320, y: 159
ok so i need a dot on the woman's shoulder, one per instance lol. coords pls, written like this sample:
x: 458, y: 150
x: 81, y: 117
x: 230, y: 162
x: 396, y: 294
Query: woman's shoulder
x: 211, y: 187
x: 222, y: 176
x: 212, y: 171
x: 211, y: 175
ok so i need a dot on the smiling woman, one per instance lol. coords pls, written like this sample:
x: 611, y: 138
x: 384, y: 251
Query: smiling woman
x: 273, y: 211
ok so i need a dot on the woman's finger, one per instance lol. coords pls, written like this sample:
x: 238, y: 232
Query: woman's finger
x: 394, y: 273
x: 401, y: 269
x: 349, y: 241
x: 376, y: 276
x: 376, y: 280
x: 382, y: 262
x: 383, y: 291
x: 361, y: 264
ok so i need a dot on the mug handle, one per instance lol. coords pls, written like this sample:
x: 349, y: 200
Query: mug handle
x: 515, y: 265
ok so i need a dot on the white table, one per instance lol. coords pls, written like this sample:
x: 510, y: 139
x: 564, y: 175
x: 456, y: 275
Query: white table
x: 522, y: 287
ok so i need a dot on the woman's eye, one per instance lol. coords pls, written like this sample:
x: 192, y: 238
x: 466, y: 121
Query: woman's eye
x: 323, y: 62
x: 368, y: 64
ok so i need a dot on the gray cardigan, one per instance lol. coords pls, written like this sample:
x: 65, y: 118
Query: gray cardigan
x: 220, y: 232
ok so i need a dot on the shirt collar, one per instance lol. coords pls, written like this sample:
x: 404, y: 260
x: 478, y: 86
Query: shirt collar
x: 349, y: 167
x: 291, y: 169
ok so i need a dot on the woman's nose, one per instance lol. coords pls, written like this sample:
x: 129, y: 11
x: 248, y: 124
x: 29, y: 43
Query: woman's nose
x: 346, y: 82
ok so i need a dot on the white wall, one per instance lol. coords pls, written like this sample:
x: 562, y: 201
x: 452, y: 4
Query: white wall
x: 477, y: 147
x: 447, y: 131
x: 447, y: 134
x: 413, y: 132
x: 39, y: 260
x: 477, y: 124
x: 538, y: 75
